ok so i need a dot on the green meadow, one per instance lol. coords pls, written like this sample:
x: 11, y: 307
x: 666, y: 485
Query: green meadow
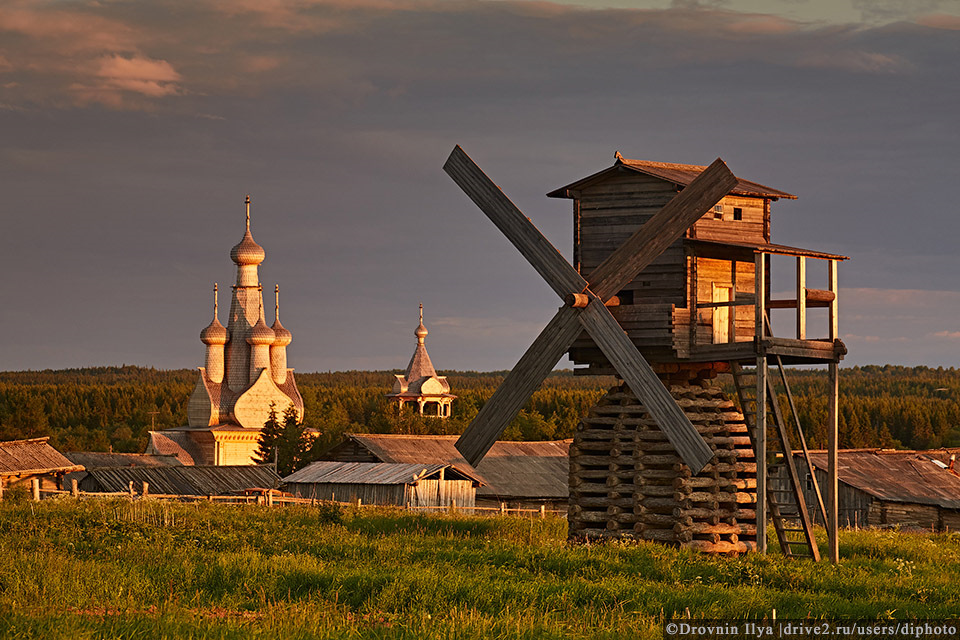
x: 146, y: 569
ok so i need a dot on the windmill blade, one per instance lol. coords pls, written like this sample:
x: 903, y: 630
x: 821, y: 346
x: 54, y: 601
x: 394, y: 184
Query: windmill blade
x: 645, y: 384
x: 662, y: 230
x: 535, y: 365
x: 538, y: 251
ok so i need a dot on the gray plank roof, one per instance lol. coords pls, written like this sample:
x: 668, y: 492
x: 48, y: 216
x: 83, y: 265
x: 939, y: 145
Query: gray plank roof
x: 897, y: 476
x: 187, y: 480
x: 509, y: 470
x: 372, y: 473
x: 33, y: 456
x: 92, y: 459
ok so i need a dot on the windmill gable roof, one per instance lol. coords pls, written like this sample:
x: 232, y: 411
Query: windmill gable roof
x: 509, y: 470
x: 681, y: 174
x: 33, y: 456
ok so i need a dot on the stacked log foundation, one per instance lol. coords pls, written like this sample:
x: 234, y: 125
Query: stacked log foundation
x: 627, y: 481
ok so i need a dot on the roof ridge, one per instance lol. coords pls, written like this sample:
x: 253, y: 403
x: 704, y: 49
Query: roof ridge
x: 665, y: 165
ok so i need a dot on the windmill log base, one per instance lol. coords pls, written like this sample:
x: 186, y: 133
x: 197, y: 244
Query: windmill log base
x: 627, y: 481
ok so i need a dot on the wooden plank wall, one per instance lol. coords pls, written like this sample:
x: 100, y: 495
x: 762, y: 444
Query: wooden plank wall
x: 658, y: 322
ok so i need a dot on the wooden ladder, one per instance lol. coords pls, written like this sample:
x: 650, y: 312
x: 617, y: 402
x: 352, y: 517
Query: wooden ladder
x: 796, y: 539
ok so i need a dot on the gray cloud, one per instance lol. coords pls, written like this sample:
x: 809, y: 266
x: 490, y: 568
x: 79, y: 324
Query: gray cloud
x: 132, y: 131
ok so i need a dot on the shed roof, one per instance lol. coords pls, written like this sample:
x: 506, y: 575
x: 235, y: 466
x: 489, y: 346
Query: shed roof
x: 188, y: 480
x: 93, y: 459
x: 749, y: 249
x: 680, y: 174
x: 324, y: 472
x: 897, y: 476
x: 509, y: 470
x: 33, y: 456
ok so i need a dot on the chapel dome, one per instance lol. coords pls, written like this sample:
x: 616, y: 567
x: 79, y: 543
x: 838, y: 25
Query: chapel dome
x: 214, y: 333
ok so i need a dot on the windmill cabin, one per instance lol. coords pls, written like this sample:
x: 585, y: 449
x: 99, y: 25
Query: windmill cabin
x: 699, y: 309
x: 670, y: 286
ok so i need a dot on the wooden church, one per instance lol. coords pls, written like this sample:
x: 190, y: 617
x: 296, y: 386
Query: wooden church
x: 698, y: 310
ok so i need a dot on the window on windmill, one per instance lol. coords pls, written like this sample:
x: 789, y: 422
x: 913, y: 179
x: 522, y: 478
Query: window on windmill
x: 737, y: 213
x: 718, y: 212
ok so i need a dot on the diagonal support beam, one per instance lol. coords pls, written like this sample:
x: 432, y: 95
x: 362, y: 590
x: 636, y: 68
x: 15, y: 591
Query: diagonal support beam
x: 525, y: 377
x: 528, y: 240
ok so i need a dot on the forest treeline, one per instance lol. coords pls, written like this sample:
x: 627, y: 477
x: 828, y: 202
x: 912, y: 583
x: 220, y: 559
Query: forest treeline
x: 100, y: 408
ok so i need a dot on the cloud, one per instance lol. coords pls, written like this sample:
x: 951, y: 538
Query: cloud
x: 139, y: 75
x: 940, y: 21
x: 950, y: 335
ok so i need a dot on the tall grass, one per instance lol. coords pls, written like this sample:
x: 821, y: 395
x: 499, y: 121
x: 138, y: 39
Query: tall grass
x: 99, y: 569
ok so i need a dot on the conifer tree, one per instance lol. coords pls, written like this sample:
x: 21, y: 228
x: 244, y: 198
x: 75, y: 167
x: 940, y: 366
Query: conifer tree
x: 269, y: 437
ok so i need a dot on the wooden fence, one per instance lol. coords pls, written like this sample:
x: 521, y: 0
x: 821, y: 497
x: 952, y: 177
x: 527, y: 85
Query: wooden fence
x: 276, y: 498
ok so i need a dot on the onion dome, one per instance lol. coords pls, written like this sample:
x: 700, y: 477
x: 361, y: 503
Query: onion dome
x: 260, y: 333
x: 247, y: 251
x: 283, y: 337
x: 421, y: 331
x: 214, y: 333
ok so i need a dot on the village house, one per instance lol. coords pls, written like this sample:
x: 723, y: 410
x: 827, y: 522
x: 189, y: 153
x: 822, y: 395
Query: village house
x: 22, y: 461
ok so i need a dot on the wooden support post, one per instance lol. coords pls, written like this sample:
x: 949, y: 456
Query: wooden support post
x: 1, y: 488
x: 760, y: 419
x: 732, y: 309
x: 543, y: 511
x: 36, y: 488
x: 832, y: 481
x: 503, y: 508
x: 74, y: 488
x: 802, y: 298
x: 269, y: 497
x: 760, y: 289
x: 145, y: 489
x: 130, y: 489
x: 453, y: 506
x: 834, y: 304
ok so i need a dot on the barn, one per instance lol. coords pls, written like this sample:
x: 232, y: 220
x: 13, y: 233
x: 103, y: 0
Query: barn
x: 385, y: 483
x: 888, y: 487
x: 183, y: 480
x: 520, y: 474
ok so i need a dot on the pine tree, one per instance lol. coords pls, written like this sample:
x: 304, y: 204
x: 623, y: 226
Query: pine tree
x: 269, y: 437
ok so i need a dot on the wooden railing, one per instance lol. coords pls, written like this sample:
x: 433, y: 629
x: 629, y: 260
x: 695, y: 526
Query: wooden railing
x: 805, y: 298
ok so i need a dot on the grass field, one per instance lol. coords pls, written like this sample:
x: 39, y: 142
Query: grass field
x: 116, y: 569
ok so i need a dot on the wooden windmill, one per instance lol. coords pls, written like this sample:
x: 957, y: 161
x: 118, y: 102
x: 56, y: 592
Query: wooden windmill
x: 639, y: 465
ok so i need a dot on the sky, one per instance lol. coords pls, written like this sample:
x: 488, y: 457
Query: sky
x: 130, y: 133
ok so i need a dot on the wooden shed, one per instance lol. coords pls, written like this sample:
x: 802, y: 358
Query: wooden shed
x: 385, y: 483
x: 521, y: 474
x: 887, y: 487
x: 23, y: 460
x: 185, y: 480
